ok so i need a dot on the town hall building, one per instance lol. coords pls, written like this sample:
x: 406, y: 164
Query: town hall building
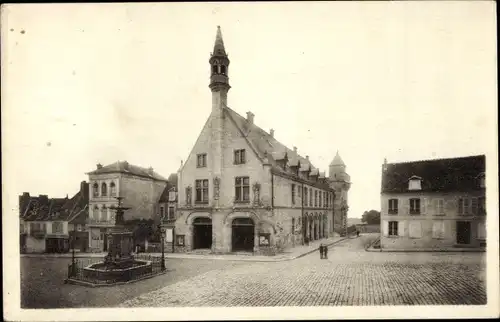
x: 241, y: 190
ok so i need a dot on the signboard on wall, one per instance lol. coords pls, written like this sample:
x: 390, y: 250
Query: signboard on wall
x: 170, y: 235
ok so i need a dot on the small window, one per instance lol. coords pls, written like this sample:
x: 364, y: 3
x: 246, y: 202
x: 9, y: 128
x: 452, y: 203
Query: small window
x: 481, y: 205
x: 214, y: 69
x: 162, y: 211
x: 415, y: 183
x: 393, y: 206
x: 171, y: 212
x: 223, y: 70
x: 482, y: 181
x: 96, y: 190
x: 239, y: 156
x: 310, y: 197
x: 112, y: 189
x: 393, y: 228
x: 293, y: 194
x: 179, y: 240
x: 201, y: 161
x: 315, y: 198
x: 305, y: 197
x: 414, y: 206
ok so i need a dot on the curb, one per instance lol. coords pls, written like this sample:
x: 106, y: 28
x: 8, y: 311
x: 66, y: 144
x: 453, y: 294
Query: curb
x: 250, y: 259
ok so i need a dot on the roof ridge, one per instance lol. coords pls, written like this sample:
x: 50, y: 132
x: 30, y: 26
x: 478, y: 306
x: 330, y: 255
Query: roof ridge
x: 438, y: 159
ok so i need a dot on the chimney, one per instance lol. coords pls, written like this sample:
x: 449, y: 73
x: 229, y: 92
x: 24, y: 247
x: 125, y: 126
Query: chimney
x: 150, y: 170
x: 84, y: 190
x: 295, y: 149
x: 99, y: 166
x: 125, y: 165
x: 271, y: 132
x: 250, y: 116
x: 307, y: 157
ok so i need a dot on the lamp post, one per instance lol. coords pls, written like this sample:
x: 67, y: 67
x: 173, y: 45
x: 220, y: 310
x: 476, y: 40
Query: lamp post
x: 163, y: 233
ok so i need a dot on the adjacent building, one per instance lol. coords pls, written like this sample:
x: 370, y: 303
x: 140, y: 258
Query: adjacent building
x: 434, y: 204
x: 240, y: 189
x: 140, y: 188
x: 45, y: 222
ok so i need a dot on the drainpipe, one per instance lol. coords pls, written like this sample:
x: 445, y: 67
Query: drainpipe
x: 272, y: 191
x: 302, y: 213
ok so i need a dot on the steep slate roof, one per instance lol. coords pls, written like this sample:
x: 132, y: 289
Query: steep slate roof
x: 266, y: 146
x: 125, y: 167
x: 444, y: 175
x: 55, y: 209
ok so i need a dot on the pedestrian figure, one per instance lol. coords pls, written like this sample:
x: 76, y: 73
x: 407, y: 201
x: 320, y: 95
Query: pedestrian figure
x: 325, y: 252
x: 321, y: 250
x: 357, y: 233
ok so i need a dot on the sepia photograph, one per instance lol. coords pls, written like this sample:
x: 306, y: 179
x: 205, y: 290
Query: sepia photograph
x: 249, y: 160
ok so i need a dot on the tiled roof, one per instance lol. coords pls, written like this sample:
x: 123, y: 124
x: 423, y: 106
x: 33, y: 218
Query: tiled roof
x: 54, y: 209
x: 263, y: 143
x: 444, y: 175
x: 125, y: 167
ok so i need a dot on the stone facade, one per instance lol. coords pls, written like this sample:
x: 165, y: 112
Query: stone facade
x: 241, y: 189
x: 439, y: 212
x: 140, y: 188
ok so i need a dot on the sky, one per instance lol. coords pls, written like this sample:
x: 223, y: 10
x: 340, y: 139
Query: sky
x: 97, y: 83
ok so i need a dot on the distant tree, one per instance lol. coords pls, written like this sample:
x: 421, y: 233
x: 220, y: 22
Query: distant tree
x: 371, y: 217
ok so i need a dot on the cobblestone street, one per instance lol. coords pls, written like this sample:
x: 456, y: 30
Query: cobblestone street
x: 350, y: 276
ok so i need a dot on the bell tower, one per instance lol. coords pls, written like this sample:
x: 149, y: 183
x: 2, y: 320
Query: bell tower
x: 219, y: 68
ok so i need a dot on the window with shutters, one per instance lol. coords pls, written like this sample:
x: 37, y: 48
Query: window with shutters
x: 242, y: 189
x: 474, y: 206
x: 481, y: 231
x: 438, y: 229
x: 481, y: 206
x: 393, y: 228
x: 414, y: 206
x: 463, y: 206
x: 415, y: 229
x: 393, y: 206
x: 201, y: 191
x: 439, y: 207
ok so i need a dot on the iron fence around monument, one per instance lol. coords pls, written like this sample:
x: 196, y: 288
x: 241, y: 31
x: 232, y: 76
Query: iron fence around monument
x: 76, y: 271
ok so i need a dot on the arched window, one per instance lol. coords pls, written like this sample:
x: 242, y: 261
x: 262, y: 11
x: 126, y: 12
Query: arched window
x: 104, y: 189
x: 223, y: 70
x: 96, y: 190
x: 112, y: 189
x: 95, y: 212
x: 214, y: 69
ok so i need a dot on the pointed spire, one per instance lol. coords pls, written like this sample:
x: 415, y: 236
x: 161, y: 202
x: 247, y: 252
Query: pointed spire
x: 337, y: 160
x: 219, y: 44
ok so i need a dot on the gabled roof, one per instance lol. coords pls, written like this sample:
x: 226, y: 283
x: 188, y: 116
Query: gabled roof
x: 443, y: 175
x: 54, y: 209
x: 125, y: 167
x: 266, y: 146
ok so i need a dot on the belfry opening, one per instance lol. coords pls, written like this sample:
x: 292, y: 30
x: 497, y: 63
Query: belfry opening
x: 202, y: 233
x: 243, y: 234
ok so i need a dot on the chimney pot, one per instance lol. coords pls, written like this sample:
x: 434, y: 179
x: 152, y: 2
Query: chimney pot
x: 271, y: 132
x: 295, y: 149
x: 307, y: 157
x: 250, y: 117
x: 99, y: 166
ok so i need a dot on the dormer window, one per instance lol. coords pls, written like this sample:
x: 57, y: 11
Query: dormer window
x: 171, y: 195
x: 415, y: 183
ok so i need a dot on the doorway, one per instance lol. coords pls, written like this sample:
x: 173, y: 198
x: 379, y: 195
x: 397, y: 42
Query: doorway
x: 243, y: 234
x: 463, y: 232
x: 202, y: 233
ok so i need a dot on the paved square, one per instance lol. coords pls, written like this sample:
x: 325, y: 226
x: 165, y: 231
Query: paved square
x: 350, y: 276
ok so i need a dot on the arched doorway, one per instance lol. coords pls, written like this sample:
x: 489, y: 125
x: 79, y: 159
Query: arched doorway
x: 243, y: 234
x: 202, y: 233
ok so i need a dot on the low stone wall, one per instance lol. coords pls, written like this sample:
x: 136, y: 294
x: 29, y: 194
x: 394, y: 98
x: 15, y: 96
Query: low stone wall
x: 117, y: 275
